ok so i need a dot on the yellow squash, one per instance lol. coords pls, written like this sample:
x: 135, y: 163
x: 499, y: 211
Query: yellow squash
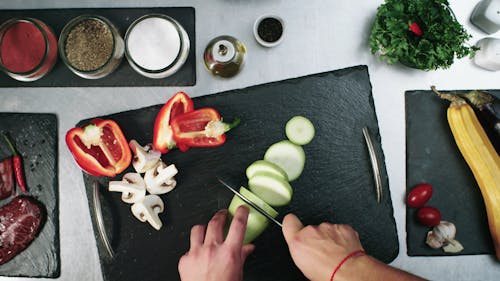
x: 481, y: 157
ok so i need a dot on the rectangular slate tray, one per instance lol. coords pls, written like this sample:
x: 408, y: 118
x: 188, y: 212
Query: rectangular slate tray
x: 336, y: 185
x: 35, y: 137
x: 61, y: 76
x: 433, y: 157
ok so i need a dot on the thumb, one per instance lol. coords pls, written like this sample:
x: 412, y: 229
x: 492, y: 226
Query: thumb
x: 291, y: 225
x: 246, y: 250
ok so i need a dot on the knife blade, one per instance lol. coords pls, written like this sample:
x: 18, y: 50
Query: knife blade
x: 252, y: 204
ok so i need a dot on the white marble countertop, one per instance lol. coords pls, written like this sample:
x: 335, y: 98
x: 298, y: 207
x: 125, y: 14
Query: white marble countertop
x: 321, y: 35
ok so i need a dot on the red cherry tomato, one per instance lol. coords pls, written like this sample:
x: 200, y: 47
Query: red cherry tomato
x: 419, y: 195
x: 428, y: 216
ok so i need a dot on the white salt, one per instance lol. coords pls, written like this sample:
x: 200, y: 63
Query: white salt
x: 154, y: 43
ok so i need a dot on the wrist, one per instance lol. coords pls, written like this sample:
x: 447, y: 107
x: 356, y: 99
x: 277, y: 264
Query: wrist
x: 354, y: 267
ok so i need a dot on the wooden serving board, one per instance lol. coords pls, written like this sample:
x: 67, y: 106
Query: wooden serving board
x: 336, y: 185
x: 35, y: 137
x: 433, y: 157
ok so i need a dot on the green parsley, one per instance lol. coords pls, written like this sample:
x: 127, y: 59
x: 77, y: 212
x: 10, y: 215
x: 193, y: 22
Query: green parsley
x: 443, y: 38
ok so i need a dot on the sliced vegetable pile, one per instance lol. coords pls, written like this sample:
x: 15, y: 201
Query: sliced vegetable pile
x: 101, y: 149
x: 269, y: 178
x: 480, y: 155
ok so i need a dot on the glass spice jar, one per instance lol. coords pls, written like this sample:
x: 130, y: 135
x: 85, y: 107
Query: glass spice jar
x: 156, y: 46
x: 28, y: 48
x: 91, y: 46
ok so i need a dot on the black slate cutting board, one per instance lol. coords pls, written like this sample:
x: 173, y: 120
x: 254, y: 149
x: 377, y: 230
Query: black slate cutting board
x: 433, y: 157
x: 124, y: 75
x: 35, y: 137
x: 336, y: 185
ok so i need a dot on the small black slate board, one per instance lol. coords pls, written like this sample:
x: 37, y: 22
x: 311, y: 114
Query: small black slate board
x: 433, y: 157
x: 35, y: 137
x: 61, y: 76
x: 336, y: 185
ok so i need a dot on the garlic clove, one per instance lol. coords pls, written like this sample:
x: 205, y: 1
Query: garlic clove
x: 434, y: 241
x: 453, y: 246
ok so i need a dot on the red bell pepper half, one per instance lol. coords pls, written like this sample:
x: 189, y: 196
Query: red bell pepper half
x: 163, y: 139
x: 100, y: 148
x: 201, y: 128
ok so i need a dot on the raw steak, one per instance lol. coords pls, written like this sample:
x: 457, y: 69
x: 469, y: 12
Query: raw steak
x: 20, y: 222
x: 6, y: 178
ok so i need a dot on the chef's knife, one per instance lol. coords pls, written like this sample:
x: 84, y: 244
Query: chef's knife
x: 253, y: 205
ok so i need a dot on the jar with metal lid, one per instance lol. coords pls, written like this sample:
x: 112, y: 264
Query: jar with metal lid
x: 156, y: 46
x: 91, y: 46
x: 28, y: 48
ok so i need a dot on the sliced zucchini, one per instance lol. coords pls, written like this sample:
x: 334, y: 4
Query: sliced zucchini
x: 265, y: 166
x: 299, y: 130
x: 288, y: 156
x: 257, y: 222
x: 272, y: 189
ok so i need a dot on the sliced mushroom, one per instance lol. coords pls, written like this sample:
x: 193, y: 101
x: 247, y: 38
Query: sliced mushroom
x: 148, y: 209
x: 145, y: 157
x: 160, y: 180
x: 132, y: 187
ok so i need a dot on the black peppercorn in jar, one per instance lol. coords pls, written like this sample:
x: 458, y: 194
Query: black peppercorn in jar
x: 269, y: 30
x: 91, y: 46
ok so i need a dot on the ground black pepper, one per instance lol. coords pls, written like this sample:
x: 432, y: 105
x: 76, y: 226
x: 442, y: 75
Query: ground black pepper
x: 89, y: 45
x: 270, y: 30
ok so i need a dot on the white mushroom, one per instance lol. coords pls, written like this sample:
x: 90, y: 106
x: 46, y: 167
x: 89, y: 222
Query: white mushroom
x: 160, y: 179
x: 132, y: 187
x: 145, y: 157
x: 148, y: 209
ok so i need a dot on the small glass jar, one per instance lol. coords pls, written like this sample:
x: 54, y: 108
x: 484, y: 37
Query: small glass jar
x: 28, y: 48
x: 156, y: 46
x: 91, y: 46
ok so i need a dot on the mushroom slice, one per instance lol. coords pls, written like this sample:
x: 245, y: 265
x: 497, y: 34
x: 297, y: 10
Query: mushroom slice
x: 148, y: 209
x: 132, y: 187
x: 145, y: 157
x: 160, y: 179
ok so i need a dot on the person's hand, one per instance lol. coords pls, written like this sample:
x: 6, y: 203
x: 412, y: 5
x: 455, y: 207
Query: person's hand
x: 211, y: 258
x: 317, y: 250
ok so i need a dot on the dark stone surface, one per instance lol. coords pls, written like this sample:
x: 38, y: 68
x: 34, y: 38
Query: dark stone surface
x: 336, y: 185
x: 124, y: 75
x: 35, y: 137
x: 433, y: 157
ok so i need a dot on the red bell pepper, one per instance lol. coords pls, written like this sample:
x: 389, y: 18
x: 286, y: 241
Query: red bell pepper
x: 201, y: 128
x: 100, y: 148
x: 163, y: 140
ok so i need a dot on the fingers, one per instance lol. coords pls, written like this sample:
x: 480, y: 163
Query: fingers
x: 291, y: 225
x: 238, y: 226
x: 215, y: 228
x: 197, y: 236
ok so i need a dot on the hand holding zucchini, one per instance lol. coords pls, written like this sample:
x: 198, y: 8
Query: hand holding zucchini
x: 481, y: 157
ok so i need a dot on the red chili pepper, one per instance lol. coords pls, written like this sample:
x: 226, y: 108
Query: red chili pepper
x: 100, y: 148
x: 415, y: 28
x: 163, y: 140
x: 201, y: 128
x: 18, y: 165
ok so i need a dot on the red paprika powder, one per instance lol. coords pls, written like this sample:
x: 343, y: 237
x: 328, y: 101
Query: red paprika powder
x: 28, y: 48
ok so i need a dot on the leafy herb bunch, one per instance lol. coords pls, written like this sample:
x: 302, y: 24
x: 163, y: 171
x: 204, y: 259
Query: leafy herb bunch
x: 422, y: 34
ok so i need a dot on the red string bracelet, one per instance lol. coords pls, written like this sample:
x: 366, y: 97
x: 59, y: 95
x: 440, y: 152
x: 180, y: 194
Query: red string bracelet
x: 353, y: 254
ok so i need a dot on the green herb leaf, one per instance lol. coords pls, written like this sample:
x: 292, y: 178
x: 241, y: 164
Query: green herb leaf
x: 443, y: 38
